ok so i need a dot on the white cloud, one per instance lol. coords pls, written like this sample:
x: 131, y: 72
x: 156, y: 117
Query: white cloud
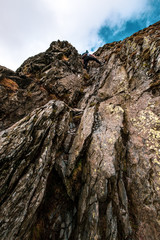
x: 29, y: 26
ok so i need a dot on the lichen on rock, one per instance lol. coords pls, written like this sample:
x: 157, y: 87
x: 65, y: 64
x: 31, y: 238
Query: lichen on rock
x: 79, y: 151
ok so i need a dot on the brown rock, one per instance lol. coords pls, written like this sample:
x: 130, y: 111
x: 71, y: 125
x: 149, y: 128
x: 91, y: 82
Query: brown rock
x: 86, y: 164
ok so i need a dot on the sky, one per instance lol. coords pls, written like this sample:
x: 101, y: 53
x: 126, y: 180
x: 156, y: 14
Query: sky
x: 29, y: 26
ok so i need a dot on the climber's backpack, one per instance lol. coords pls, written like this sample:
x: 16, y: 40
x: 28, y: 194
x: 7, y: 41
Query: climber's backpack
x: 84, y: 55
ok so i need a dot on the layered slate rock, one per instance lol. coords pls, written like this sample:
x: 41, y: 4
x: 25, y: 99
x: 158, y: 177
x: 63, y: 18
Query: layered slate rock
x: 54, y: 74
x: 84, y: 162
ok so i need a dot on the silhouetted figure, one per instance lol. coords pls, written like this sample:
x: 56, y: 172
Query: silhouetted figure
x: 89, y: 57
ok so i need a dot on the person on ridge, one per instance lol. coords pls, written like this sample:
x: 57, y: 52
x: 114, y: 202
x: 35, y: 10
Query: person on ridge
x: 89, y: 57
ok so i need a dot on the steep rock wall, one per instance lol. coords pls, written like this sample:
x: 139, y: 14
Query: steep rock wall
x: 85, y: 164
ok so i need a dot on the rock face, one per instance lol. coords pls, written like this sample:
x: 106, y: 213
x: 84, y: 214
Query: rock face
x: 80, y: 151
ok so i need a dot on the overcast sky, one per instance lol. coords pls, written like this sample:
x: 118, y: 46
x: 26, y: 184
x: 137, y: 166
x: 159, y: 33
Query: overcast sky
x: 29, y: 26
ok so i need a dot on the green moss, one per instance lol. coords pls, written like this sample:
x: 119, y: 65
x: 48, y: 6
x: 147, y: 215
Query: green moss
x: 81, y: 90
x: 76, y: 178
x: 146, y: 55
x: 73, y: 184
x: 86, y: 76
x: 92, y: 104
x: 77, y: 171
x: 37, y: 230
x: 77, y: 117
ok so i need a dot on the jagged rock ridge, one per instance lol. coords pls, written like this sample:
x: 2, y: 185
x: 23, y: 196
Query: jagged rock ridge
x: 79, y: 151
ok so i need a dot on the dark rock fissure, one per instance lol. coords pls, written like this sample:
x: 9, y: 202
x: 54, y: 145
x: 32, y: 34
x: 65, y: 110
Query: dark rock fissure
x: 53, y: 211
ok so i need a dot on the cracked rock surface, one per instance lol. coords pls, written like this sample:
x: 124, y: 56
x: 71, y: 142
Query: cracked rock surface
x: 80, y: 151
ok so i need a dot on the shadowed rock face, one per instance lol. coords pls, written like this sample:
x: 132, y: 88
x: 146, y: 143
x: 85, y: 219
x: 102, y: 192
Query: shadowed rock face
x: 80, y: 151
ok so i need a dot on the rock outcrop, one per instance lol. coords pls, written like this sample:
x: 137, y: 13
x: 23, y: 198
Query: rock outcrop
x: 80, y: 151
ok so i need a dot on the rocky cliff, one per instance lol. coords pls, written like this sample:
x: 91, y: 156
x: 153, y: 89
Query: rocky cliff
x: 80, y: 151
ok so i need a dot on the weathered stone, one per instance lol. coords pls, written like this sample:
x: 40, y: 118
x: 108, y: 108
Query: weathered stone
x: 79, y: 151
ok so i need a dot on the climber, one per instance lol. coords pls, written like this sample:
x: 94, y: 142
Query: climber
x: 89, y: 57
